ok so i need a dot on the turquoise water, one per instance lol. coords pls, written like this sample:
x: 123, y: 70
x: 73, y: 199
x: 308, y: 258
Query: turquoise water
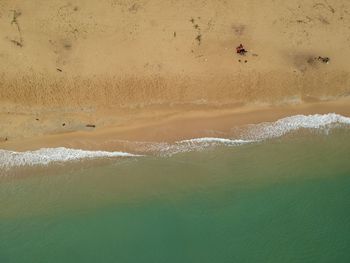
x: 283, y: 200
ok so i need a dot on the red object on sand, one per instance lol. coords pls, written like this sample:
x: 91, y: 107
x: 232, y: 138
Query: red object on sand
x: 241, y: 50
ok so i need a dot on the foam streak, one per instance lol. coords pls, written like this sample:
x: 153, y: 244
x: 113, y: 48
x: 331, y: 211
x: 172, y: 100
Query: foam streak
x: 289, y: 124
x: 250, y: 134
x: 46, y: 156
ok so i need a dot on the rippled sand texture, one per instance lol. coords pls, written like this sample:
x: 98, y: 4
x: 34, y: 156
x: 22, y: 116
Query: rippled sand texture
x: 68, y: 64
x: 144, y: 52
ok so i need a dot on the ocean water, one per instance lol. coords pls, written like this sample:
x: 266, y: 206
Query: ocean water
x: 279, y: 192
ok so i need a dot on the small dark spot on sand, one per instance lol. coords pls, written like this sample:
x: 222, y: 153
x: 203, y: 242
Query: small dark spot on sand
x: 134, y: 8
x: 323, y: 59
x: 90, y: 125
x: 239, y: 60
x: 17, y: 43
x: 63, y: 124
x: 174, y: 33
x: 313, y: 60
x: 199, y: 39
x: 76, y: 8
x: 245, y: 61
x: 310, y: 60
x: 36, y: 119
x: 67, y: 45
x: 58, y: 69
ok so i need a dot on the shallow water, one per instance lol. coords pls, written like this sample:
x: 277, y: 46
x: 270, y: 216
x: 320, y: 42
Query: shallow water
x: 280, y: 200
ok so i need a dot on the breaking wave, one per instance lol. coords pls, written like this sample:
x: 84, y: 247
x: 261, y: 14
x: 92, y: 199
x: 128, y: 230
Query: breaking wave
x: 202, y: 143
x: 168, y: 149
x: 46, y: 156
x: 248, y: 134
x: 286, y: 125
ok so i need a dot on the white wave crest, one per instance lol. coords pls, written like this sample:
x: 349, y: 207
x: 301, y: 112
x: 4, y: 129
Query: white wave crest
x: 205, y: 142
x: 46, y: 156
x: 214, y: 140
x: 195, y: 144
x: 286, y: 125
x: 249, y: 134
x: 255, y: 133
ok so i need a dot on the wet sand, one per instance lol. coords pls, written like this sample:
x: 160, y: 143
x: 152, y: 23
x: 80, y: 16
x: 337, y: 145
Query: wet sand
x: 164, y: 125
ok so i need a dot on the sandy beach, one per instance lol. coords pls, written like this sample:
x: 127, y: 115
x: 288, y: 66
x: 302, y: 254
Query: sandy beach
x: 163, y: 70
x: 174, y: 131
x: 160, y: 125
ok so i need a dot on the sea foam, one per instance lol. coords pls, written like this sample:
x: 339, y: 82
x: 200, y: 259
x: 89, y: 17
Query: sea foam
x: 46, y: 156
x: 214, y: 140
x: 197, y: 144
x: 249, y: 134
x: 257, y: 132
x: 286, y: 125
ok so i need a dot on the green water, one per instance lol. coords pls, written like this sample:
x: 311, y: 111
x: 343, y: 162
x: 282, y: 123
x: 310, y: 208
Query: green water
x: 286, y: 200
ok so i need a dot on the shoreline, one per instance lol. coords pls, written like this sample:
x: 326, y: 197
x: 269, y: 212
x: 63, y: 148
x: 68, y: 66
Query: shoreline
x: 168, y: 125
x: 89, y: 74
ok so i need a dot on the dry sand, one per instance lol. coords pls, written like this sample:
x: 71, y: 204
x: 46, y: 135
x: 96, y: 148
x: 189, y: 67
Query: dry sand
x: 133, y: 67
